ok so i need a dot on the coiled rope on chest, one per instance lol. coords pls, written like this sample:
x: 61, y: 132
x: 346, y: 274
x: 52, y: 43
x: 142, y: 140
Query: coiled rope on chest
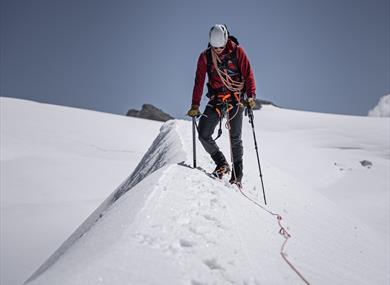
x: 231, y: 84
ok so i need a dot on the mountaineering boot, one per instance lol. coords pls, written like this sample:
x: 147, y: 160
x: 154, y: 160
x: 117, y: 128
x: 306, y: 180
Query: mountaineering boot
x: 222, y: 165
x: 236, y: 173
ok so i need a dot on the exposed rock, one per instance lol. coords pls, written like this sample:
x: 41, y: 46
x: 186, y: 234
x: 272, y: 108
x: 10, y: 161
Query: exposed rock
x: 366, y: 163
x: 260, y: 102
x: 150, y: 112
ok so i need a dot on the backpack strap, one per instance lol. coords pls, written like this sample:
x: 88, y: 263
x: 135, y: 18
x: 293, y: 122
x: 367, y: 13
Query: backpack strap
x: 209, y: 62
x: 234, y: 59
x: 234, y: 39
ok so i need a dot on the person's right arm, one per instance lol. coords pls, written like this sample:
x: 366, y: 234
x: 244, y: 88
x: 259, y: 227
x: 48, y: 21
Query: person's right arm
x: 200, y: 76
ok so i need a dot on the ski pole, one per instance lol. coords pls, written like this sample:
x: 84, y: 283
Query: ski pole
x: 250, y: 114
x: 194, y: 140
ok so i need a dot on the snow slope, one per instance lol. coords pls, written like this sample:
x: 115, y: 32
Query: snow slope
x: 170, y: 224
x: 57, y: 165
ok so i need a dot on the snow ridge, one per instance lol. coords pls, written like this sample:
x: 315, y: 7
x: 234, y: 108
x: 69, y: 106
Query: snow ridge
x: 200, y: 237
x: 162, y: 152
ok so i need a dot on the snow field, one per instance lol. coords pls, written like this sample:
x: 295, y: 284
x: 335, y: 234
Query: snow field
x: 177, y: 226
x: 170, y: 224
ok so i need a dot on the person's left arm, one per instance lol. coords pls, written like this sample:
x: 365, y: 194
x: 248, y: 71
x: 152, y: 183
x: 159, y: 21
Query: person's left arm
x: 247, y: 73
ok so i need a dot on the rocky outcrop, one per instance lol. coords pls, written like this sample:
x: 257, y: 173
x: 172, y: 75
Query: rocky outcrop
x: 259, y: 103
x: 150, y: 112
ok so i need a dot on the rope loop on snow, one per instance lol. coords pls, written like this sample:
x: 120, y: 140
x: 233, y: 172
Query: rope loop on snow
x: 283, y: 232
x: 282, y: 229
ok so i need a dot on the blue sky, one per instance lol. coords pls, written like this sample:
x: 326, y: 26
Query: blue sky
x: 325, y: 56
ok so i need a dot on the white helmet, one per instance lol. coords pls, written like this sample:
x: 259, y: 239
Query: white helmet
x: 218, y: 36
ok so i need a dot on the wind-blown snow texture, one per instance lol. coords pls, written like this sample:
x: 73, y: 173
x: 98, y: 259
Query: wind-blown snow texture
x: 382, y: 109
x: 170, y: 224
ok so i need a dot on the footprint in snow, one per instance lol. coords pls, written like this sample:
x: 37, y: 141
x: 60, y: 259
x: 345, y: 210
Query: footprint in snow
x: 214, y: 203
x: 194, y: 282
x: 213, y: 264
x: 186, y: 243
x: 211, y: 218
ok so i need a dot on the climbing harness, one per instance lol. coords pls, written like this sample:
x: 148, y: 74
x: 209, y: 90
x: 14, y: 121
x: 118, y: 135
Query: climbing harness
x: 223, y: 104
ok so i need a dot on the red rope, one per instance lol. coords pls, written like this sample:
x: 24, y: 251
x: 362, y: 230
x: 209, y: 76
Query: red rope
x: 284, y: 233
x: 282, y: 230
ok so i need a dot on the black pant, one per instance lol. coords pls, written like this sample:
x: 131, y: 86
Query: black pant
x: 207, y: 126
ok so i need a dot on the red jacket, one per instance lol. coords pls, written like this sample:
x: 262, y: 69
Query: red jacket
x: 215, y: 81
